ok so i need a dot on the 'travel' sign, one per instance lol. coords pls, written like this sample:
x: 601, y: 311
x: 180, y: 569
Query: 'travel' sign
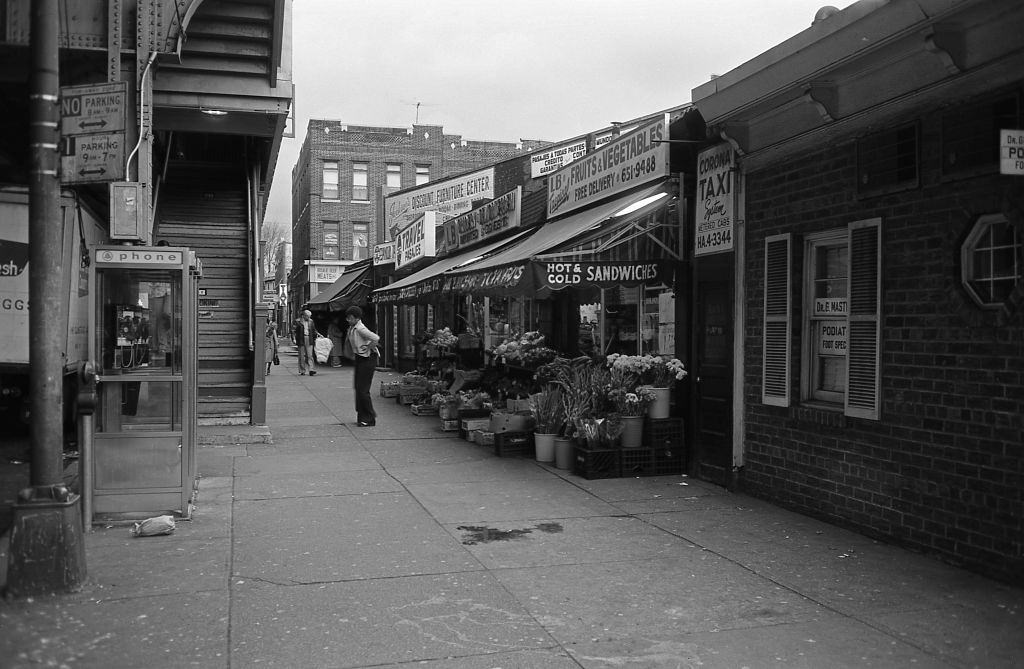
x: 715, y: 201
x: 629, y: 161
x: 416, y: 240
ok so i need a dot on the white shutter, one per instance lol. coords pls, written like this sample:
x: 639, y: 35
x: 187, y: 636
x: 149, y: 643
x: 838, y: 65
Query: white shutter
x: 863, y: 348
x: 777, y: 325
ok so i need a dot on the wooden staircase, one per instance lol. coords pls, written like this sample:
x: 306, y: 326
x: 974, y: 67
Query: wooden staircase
x: 203, y: 206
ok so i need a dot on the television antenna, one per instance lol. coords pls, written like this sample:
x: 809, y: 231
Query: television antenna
x: 418, y: 104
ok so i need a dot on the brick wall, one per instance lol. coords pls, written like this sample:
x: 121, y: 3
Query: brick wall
x: 941, y: 471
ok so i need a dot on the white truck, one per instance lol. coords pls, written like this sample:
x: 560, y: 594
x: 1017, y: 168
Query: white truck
x: 81, y: 231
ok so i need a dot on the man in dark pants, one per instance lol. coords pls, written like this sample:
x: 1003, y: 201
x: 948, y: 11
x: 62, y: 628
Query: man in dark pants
x: 361, y: 348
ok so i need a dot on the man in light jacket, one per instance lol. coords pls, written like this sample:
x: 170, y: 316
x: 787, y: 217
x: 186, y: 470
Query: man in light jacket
x: 305, y: 338
x: 361, y: 348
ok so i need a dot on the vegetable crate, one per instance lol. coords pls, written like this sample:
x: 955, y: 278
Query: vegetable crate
x: 665, y: 439
x: 450, y: 425
x: 389, y: 388
x: 596, y: 463
x: 512, y: 444
x: 467, y: 425
x: 424, y: 409
x: 412, y: 396
x: 474, y: 414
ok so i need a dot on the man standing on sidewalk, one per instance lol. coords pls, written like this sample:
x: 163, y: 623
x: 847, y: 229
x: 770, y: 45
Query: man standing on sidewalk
x: 361, y: 347
x: 305, y: 338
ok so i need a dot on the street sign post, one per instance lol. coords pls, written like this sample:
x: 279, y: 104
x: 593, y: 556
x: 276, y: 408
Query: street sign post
x: 92, y: 126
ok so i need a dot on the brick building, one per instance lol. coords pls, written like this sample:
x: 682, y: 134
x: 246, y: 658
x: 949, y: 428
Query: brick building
x: 343, y: 172
x: 879, y: 320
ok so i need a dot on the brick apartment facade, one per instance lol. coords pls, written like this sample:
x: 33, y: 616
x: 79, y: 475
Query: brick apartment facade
x: 339, y: 180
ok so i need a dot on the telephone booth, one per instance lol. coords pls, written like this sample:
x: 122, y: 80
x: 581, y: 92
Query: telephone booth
x: 143, y: 343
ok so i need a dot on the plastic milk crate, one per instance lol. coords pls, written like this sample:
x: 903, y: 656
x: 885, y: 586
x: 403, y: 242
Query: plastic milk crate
x: 594, y: 463
x: 665, y: 439
x: 513, y: 444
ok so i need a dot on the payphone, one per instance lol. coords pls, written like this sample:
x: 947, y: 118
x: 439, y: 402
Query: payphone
x: 142, y: 338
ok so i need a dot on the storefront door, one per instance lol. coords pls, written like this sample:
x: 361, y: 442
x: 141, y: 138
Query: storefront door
x: 713, y: 375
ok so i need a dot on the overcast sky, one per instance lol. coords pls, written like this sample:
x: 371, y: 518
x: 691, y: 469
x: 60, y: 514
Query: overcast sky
x: 515, y: 69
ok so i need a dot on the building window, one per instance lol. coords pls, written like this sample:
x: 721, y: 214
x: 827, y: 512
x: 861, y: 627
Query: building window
x: 888, y: 161
x: 360, y: 241
x: 828, y: 266
x: 360, y: 182
x: 332, y: 234
x: 422, y: 174
x: 330, y: 185
x: 990, y: 261
x: 970, y: 135
x: 394, y: 175
x: 841, y: 319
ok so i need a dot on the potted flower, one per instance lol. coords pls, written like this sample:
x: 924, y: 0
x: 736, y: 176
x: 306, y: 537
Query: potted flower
x: 658, y: 371
x: 631, y: 405
x: 548, y: 414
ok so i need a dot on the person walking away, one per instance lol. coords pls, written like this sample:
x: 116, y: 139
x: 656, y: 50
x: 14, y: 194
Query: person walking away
x: 361, y: 347
x: 270, y: 345
x: 305, y: 338
x: 337, y: 337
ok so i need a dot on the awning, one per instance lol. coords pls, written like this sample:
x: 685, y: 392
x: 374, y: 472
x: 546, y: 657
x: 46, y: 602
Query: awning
x: 352, y: 287
x: 517, y: 271
x: 426, y: 284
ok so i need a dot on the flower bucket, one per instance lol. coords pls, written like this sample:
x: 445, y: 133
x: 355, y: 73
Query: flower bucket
x: 565, y: 453
x: 544, y: 446
x: 632, y: 432
x: 659, y: 408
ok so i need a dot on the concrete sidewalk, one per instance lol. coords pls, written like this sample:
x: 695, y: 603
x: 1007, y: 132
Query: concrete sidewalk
x: 339, y: 546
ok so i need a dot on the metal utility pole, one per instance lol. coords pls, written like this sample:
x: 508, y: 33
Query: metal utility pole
x: 47, y: 553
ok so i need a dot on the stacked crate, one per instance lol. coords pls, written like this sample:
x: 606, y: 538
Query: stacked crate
x: 664, y: 438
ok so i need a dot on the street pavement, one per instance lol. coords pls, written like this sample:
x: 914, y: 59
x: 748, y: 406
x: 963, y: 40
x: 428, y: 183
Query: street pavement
x: 400, y: 545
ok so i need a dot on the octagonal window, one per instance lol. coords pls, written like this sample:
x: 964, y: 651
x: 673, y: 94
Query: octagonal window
x: 991, y: 260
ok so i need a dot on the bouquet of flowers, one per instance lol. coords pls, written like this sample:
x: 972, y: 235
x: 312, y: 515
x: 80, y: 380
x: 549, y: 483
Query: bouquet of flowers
x: 632, y: 402
x: 526, y: 350
x: 659, y: 371
x: 443, y: 337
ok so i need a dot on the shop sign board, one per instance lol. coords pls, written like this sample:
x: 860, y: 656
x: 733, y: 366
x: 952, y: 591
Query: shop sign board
x: 416, y: 240
x: 325, y: 273
x: 1011, y: 151
x: 490, y: 220
x: 384, y: 254
x: 449, y: 197
x: 555, y: 158
x: 716, y: 201
x: 830, y: 306
x: 628, y: 161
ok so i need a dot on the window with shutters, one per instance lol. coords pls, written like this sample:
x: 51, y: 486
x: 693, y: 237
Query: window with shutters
x: 840, y: 319
x: 777, y: 326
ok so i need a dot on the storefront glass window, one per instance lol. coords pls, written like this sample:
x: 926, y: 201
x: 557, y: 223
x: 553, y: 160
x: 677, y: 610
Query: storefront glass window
x: 829, y: 260
x: 621, y: 319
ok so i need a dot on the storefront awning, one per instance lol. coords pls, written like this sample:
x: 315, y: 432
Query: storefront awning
x: 518, y: 271
x: 426, y: 284
x: 352, y: 287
